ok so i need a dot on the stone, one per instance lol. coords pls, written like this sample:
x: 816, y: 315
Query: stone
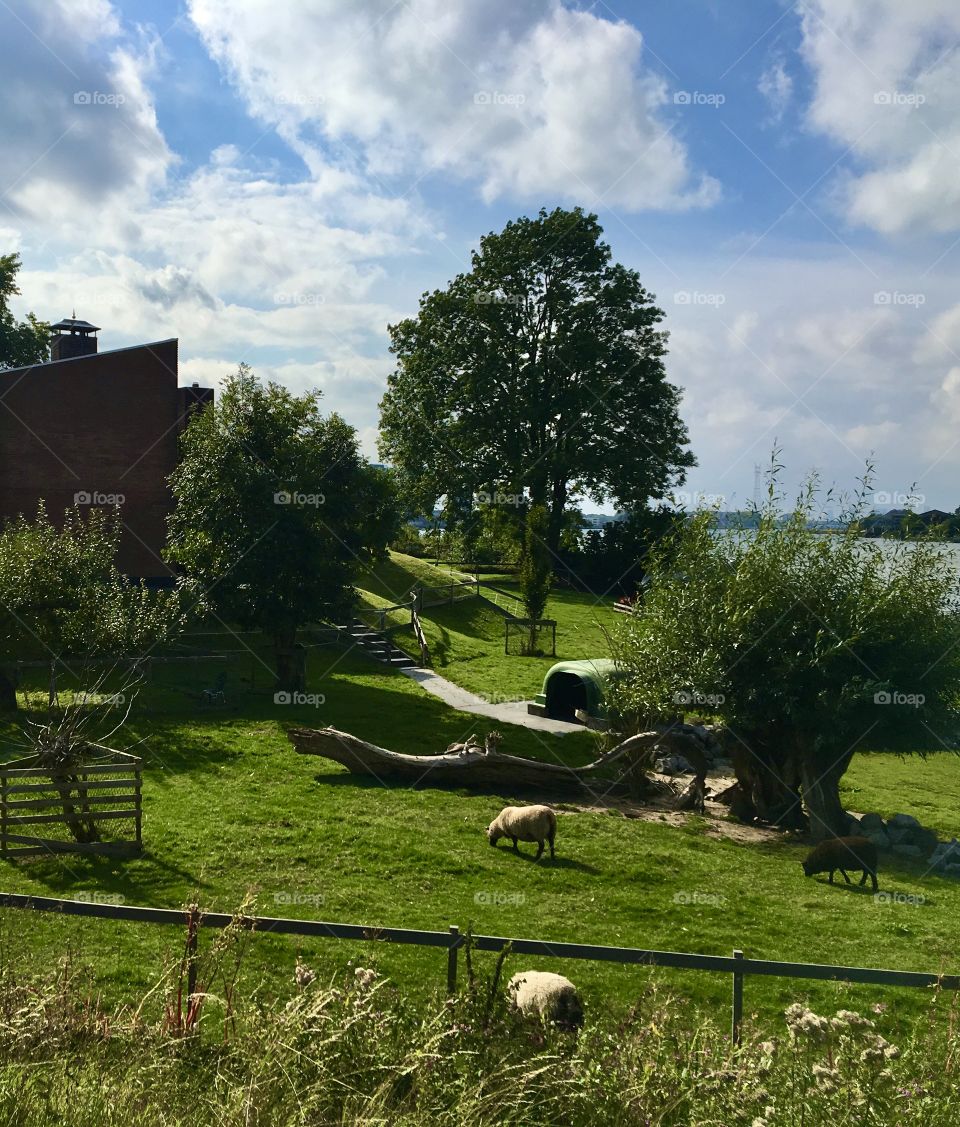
x: 907, y: 821
x: 899, y: 835
x: 673, y: 765
x: 880, y: 840
x: 925, y: 840
x: 908, y: 850
x: 871, y: 824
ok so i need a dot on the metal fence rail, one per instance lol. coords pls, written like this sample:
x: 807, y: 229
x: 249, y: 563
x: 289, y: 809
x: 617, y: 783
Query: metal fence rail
x: 453, y: 940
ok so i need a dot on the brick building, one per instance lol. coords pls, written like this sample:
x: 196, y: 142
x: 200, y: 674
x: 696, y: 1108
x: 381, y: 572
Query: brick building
x: 97, y: 428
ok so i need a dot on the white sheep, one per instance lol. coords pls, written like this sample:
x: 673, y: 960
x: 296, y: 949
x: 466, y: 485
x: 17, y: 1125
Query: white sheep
x: 549, y: 996
x: 524, y: 823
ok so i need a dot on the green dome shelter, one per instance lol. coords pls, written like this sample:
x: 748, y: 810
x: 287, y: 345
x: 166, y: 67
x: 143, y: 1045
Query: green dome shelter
x: 575, y: 690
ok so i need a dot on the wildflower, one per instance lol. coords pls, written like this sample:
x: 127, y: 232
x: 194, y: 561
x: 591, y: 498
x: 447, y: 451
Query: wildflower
x: 828, y: 1079
x: 852, y: 1018
x: 808, y: 1024
x: 303, y: 975
x: 768, y: 1048
x: 364, y: 977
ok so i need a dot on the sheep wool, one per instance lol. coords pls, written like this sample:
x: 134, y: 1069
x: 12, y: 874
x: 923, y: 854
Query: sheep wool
x: 525, y: 823
x: 546, y: 995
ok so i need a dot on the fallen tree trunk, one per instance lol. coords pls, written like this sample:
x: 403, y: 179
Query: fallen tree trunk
x: 614, y: 768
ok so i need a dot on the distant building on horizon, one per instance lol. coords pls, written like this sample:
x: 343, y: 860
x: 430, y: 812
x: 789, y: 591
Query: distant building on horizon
x: 97, y: 429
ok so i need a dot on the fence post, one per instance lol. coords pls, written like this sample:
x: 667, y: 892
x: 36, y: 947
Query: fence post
x: 193, y: 932
x: 737, y: 1020
x: 452, y: 959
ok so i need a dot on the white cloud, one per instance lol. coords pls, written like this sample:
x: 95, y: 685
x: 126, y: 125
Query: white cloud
x: 78, y: 129
x: 776, y: 86
x: 887, y: 85
x: 526, y: 100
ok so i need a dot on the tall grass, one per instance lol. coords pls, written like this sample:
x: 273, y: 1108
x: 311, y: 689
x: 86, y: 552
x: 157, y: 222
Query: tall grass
x: 355, y: 1051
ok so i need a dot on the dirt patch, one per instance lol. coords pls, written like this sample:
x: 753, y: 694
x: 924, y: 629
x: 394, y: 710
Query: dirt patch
x: 659, y: 809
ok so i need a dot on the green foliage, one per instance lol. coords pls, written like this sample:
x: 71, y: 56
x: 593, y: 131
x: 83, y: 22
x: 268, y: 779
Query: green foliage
x: 808, y: 646
x: 610, y: 560
x: 276, y: 511
x: 533, y: 374
x: 535, y: 569
x: 61, y: 593
x: 21, y: 342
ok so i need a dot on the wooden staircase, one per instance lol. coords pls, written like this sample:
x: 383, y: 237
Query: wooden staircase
x: 374, y: 644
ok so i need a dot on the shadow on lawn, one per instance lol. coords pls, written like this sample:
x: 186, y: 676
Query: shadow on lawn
x: 556, y: 863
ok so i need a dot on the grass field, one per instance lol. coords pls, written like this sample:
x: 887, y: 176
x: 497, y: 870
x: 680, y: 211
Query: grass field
x: 466, y: 639
x: 230, y: 810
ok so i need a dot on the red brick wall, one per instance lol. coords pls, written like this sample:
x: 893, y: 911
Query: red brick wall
x: 105, y: 424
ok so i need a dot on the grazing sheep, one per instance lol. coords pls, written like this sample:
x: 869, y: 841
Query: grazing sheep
x: 524, y: 823
x: 550, y: 996
x: 854, y: 853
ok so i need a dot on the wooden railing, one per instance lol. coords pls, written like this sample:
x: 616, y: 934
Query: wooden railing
x: 421, y: 637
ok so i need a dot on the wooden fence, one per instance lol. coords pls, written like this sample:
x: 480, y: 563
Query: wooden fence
x: 106, y: 788
x: 436, y: 595
x: 737, y: 966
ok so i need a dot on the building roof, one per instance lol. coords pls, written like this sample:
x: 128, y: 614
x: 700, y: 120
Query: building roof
x: 87, y: 359
x: 74, y: 326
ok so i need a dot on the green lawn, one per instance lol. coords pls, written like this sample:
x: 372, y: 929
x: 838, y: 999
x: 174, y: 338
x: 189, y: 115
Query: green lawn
x: 229, y: 808
x: 466, y: 640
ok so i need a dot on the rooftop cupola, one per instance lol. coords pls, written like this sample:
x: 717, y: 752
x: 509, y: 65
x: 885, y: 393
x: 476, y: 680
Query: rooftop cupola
x: 73, y: 338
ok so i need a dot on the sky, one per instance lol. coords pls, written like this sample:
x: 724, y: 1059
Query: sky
x: 275, y: 183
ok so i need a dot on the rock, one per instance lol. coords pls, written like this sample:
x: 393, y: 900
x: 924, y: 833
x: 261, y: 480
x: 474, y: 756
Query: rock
x: 908, y: 850
x: 899, y: 835
x: 945, y: 853
x: 673, y: 765
x: 880, y: 840
x: 871, y: 824
x: 925, y: 840
x: 907, y: 821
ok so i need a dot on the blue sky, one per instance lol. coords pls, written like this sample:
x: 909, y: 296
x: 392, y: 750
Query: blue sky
x: 275, y: 183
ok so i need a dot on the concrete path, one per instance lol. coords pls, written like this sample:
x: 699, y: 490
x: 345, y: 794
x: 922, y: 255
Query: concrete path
x: 513, y: 712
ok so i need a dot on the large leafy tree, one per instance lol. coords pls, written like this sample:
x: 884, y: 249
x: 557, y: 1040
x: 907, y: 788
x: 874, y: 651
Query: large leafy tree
x: 21, y: 342
x: 276, y: 512
x: 63, y: 600
x: 538, y: 373
x: 809, y: 647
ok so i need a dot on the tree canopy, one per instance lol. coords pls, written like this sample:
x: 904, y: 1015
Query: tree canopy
x: 61, y: 595
x: 21, y: 342
x: 540, y: 373
x: 276, y: 511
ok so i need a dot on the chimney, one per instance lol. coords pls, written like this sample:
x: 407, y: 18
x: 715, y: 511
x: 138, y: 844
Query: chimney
x: 73, y: 338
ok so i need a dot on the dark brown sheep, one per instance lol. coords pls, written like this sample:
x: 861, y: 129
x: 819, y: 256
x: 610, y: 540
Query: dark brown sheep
x: 854, y: 853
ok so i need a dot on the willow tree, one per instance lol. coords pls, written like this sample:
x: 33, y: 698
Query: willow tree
x: 540, y: 374
x: 809, y: 647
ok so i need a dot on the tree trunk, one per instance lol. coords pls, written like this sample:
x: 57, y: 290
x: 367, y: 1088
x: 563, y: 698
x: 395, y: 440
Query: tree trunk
x: 291, y: 664
x: 821, y: 797
x: 769, y: 782
x: 8, y: 690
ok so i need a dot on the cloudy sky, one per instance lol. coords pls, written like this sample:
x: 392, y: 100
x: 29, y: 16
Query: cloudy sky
x: 276, y: 182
